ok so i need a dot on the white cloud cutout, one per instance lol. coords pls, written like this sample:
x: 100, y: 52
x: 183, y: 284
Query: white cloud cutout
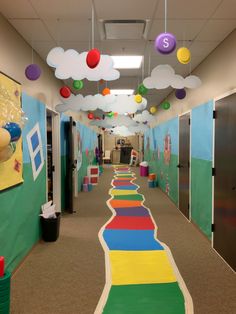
x: 139, y: 128
x: 120, y: 120
x: 145, y: 116
x: 115, y: 103
x: 122, y: 131
x: 164, y: 76
x: 71, y: 64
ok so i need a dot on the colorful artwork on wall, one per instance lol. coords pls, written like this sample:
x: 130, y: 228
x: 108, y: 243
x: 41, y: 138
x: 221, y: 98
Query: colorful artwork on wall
x: 10, y: 107
x: 167, y: 149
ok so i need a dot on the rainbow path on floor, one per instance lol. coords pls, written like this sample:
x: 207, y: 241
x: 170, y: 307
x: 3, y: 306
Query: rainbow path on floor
x: 141, y: 275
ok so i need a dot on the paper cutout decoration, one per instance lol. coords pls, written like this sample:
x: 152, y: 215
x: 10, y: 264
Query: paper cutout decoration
x: 180, y: 93
x: 65, y: 92
x: 165, y: 105
x: 183, y: 55
x: 71, y: 64
x: 35, y: 150
x: 7, y: 152
x: 145, y: 116
x: 153, y: 110
x: 120, y: 104
x: 164, y: 76
x: 78, y: 84
x: 106, y: 91
x: 142, y: 90
x: 90, y: 116
x: 138, y: 98
x: 32, y: 72
x: 165, y: 43
x: 93, y: 58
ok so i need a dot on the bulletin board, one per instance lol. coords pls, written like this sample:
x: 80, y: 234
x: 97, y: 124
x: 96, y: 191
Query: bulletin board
x: 10, y: 104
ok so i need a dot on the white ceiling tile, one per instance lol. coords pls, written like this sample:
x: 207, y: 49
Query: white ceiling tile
x: 124, y: 9
x: 182, y: 29
x: 62, y: 9
x: 31, y: 29
x: 79, y: 46
x: 227, y: 10
x: 43, y: 48
x: 19, y: 9
x: 216, y: 30
x: 186, y: 9
x: 71, y: 30
x: 203, y: 48
x: 123, y: 47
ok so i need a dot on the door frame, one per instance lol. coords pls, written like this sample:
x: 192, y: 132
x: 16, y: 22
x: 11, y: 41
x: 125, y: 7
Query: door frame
x: 228, y: 93
x: 190, y: 145
x: 56, y: 148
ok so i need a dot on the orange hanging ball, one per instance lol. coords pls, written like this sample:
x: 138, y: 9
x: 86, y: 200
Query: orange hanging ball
x: 106, y: 91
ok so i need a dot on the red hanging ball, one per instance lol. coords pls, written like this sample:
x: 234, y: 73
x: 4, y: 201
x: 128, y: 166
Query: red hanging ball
x: 93, y: 58
x: 65, y: 92
x: 90, y: 116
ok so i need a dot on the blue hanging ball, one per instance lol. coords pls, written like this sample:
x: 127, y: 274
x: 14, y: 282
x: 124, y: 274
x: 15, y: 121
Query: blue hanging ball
x: 14, y: 130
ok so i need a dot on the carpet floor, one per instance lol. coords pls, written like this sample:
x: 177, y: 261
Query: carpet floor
x: 68, y: 276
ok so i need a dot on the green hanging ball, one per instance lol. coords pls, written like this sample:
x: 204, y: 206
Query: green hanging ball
x: 77, y: 84
x: 166, y: 105
x: 142, y: 90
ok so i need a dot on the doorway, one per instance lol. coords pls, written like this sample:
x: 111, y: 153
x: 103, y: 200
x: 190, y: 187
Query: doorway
x: 225, y: 179
x: 184, y: 163
x: 53, y: 158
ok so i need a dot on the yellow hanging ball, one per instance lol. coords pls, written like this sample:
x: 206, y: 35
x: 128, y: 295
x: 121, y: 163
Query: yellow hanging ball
x: 5, y: 138
x: 138, y: 98
x: 153, y: 110
x: 183, y: 55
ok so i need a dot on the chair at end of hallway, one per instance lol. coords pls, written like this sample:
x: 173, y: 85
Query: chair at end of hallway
x: 107, y: 156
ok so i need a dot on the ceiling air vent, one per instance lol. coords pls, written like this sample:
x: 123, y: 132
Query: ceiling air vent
x: 124, y: 29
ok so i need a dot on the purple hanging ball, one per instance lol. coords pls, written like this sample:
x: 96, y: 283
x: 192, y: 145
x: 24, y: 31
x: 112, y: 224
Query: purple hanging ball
x: 165, y: 43
x: 32, y: 72
x: 180, y: 93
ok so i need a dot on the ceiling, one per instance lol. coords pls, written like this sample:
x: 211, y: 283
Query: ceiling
x: 200, y: 25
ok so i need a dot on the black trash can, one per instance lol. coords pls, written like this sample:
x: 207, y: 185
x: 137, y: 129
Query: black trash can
x: 50, y: 228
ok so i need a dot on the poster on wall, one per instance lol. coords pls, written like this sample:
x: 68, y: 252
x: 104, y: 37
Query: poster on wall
x: 35, y: 150
x: 167, y: 149
x: 11, y: 156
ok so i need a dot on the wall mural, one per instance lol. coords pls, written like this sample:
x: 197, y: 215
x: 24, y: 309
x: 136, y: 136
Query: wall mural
x: 11, y: 160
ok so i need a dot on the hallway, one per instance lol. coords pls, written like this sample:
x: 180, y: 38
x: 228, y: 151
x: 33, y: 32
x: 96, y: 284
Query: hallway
x: 68, y: 276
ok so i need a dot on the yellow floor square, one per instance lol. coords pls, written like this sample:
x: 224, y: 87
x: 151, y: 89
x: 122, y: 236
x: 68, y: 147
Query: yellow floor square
x: 140, y: 267
x: 123, y: 192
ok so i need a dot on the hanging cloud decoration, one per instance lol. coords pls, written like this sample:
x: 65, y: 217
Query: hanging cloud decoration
x: 145, y: 116
x: 71, y: 64
x: 87, y: 103
x: 116, y: 103
x: 164, y: 76
x: 113, y: 122
x: 122, y: 131
x: 139, y: 128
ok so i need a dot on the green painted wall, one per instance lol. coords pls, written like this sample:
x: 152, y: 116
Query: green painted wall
x: 201, y: 194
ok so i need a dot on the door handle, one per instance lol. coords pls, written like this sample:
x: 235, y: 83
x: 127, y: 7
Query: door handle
x: 234, y: 188
x: 180, y: 166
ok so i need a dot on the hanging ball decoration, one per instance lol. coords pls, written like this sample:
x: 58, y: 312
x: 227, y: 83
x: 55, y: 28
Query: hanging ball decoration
x: 14, y: 130
x: 138, y: 98
x: 153, y: 109
x: 166, y: 105
x: 180, y: 93
x: 165, y: 43
x: 5, y: 138
x: 65, y: 92
x: 106, y: 91
x: 93, y: 58
x: 90, y: 116
x: 110, y: 114
x: 32, y: 72
x: 142, y: 90
x: 78, y: 84
x: 183, y: 55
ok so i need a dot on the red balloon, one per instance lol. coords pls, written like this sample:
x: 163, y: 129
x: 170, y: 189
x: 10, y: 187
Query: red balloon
x: 65, y: 92
x: 93, y: 58
x: 90, y: 116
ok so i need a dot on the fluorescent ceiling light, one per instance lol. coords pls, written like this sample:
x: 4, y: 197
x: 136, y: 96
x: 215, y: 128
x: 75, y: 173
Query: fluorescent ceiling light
x: 122, y: 91
x: 127, y: 62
